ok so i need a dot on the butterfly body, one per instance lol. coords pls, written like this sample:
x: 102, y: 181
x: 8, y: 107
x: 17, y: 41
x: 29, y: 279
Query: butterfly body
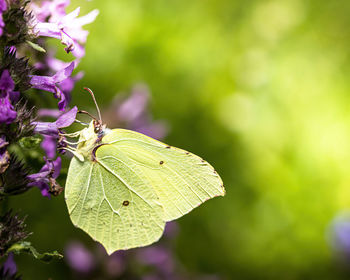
x: 125, y: 186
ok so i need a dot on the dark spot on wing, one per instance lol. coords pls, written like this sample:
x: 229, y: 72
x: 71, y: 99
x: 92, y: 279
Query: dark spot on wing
x: 168, y: 147
x: 187, y: 153
x: 126, y: 203
x: 161, y: 162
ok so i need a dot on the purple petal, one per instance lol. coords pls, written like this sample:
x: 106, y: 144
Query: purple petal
x: 171, y: 229
x: 88, y: 18
x: 14, y: 96
x: 67, y: 118
x: 45, y: 190
x: 50, y: 84
x: 67, y: 41
x: 6, y: 82
x: 7, y: 113
x: 46, y: 128
x: 50, y: 169
x: 79, y: 258
x: 3, y: 5
x: 37, y: 178
x: 53, y: 9
x: 54, y: 63
x: 79, y: 51
x: 134, y: 106
x: 68, y: 84
x: 157, y: 256
x: 64, y: 73
x: 54, y: 113
x: 10, y: 267
x: 49, y: 146
x: 47, y: 29
x: 116, y: 264
x: 57, y: 167
x: 62, y: 104
x: 2, y: 25
x: 157, y: 129
x: 43, y: 82
x: 69, y: 18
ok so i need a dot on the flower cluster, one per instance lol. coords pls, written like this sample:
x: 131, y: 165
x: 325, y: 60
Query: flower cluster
x: 154, y: 262
x: 132, y: 113
x: 47, y: 73
x: 157, y: 260
x: 28, y: 69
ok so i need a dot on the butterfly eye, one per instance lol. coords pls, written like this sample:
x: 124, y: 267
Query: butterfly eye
x: 97, y: 129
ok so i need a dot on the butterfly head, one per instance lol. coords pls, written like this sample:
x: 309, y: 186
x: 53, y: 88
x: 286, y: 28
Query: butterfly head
x: 90, y: 137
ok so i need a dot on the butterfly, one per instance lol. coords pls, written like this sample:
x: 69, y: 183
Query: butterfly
x: 123, y: 186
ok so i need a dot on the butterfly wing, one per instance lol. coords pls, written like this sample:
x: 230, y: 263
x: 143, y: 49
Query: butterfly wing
x: 180, y: 180
x: 110, y: 202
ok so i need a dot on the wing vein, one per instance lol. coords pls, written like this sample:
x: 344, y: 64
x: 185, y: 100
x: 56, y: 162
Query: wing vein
x: 87, y: 189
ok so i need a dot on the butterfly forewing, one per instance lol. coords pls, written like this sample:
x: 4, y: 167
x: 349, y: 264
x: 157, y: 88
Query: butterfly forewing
x: 181, y: 180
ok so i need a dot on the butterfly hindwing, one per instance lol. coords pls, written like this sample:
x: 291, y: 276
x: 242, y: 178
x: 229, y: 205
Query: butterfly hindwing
x: 108, y: 201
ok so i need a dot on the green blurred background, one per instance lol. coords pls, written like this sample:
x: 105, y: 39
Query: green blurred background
x: 260, y: 89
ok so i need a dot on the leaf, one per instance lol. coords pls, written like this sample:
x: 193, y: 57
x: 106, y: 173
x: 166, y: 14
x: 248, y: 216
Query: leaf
x: 36, y: 46
x: 25, y: 246
x: 29, y: 142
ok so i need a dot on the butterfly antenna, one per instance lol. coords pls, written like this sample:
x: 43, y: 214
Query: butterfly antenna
x: 86, y: 113
x: 93, y: 98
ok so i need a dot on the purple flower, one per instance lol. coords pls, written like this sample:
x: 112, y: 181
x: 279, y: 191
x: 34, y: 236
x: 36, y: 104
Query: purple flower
x: 7, y: 86
x: 3, y: 8
x: 7, y: 112
x: 10, y: 267
x: 155, y: 129
x: 133, y: 114
x: 54, y: 113
x: 52, y: 84
x: 46, y: 177
x: 68, y: 29
x: 116, y: 264
x: 7, y: 95
x: 79, y: 258
x: 49, y: 145
x: 50, y: 9
x: 157, y: 256
x: 52, y: 128
x: 133, y: 107
x: 171, y: 229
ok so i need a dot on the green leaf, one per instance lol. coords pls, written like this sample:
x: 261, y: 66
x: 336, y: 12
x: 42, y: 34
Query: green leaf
x: 25, y: 246
x: 36, y: 46
x: 29, y: 142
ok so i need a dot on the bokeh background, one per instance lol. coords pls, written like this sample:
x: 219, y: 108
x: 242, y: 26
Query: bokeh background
x: 260, y: 89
